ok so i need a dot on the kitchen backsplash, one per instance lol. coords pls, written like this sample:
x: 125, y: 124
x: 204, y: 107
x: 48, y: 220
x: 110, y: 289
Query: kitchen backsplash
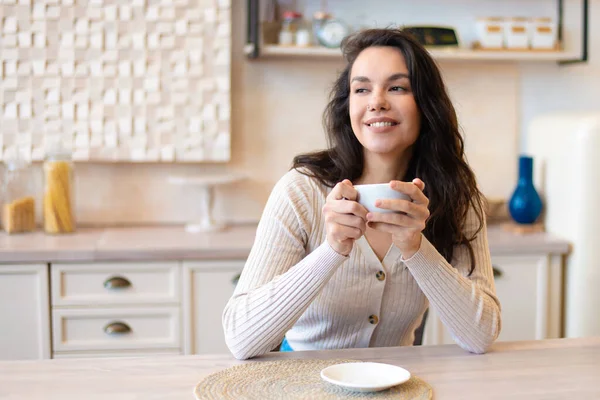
x: 276, y: 113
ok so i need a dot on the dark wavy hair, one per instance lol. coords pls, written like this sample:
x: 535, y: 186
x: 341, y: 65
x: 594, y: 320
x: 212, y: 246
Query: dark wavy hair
x: 438, y: 154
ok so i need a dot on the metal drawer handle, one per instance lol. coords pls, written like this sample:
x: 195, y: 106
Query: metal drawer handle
x: 497, y: 272
x: 116, y: 282
x: 117, y: 328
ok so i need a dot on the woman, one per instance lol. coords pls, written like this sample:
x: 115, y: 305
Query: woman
x: 323, y: 272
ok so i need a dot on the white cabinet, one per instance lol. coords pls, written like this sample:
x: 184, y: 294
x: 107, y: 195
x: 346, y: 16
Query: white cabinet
x: 173, y: 307
x: 100, y: 308
x: 24, y: 312
x: 530, y: 292
x: 208, y: 285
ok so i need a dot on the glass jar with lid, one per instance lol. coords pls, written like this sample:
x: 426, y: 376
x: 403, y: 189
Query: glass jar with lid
x: 292, y: 21
x: 319, y: 20
x: 18, y: 196
x: 59, y: 202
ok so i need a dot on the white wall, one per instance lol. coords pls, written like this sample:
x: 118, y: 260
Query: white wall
x: 549, y: 88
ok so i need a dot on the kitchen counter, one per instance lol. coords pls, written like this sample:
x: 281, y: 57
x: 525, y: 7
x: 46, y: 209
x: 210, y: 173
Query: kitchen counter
x: 548, y: 369
x: 174, y: 243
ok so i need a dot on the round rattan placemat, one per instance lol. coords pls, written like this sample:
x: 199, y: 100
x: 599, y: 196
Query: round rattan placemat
x: 294, y: 379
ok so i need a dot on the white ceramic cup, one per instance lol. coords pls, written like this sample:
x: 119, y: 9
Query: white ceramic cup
x: 368, y: 194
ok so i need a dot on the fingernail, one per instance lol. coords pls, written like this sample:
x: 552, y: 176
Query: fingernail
x: 377, y: 203
x: 369, y: 216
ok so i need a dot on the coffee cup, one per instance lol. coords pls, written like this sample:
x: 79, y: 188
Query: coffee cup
x: 368, y: 194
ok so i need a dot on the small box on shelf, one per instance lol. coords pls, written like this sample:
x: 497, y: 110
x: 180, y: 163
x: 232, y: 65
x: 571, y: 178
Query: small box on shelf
x: 516, y: 33
x: 270, y: 32
x: 490, y: 33
x: 543, y: 34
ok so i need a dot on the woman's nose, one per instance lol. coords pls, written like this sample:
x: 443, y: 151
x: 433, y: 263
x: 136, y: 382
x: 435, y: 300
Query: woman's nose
x: 378, y: 102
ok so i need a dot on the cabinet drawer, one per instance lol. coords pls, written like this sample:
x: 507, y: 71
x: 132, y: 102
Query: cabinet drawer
x: 116, y: 329
x: 99, y: 284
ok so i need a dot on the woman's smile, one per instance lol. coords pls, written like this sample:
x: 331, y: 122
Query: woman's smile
x: 381, y: 124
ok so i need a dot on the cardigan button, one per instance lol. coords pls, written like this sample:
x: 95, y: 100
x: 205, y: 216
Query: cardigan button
x: 373, y: 319
x: 380, y: 275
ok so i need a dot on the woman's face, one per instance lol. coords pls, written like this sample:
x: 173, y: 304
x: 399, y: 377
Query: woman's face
x: 383, y: 112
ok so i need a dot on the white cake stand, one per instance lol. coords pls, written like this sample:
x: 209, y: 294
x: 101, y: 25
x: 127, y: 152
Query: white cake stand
x: 206, y: 185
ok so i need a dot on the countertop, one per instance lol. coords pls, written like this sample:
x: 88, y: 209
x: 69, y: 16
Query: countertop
x: 174, y: 243
x: 547, y: 369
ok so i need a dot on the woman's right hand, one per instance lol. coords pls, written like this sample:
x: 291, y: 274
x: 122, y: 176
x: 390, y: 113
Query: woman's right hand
x: 345, y: 219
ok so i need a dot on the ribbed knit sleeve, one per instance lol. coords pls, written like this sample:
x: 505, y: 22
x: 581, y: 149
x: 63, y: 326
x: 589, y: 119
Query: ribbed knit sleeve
x: 467, y: 305
x: 279, y: 280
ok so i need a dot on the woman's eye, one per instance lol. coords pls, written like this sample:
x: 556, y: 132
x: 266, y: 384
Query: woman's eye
x: 360, y: 90
x: 397, y: 89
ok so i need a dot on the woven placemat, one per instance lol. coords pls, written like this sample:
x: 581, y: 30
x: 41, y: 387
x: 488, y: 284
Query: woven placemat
x: 294, y: 379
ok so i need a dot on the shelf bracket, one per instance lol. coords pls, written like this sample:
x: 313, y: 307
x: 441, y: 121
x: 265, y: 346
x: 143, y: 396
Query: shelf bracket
x: 584, y: 32
x: 251, y: 49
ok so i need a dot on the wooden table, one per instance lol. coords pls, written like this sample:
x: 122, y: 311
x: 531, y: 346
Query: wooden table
x: 550, y: 369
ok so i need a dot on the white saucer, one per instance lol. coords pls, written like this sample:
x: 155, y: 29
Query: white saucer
x: 365, y: 376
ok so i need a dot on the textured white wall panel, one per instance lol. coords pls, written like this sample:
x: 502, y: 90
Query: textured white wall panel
x: 116, y: 80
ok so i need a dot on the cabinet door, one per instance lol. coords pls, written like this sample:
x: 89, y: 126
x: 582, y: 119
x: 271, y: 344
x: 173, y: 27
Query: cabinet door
x: 527, y: 288
x: 522, y: 288
x: 24, y: 312
x: 208, y: 285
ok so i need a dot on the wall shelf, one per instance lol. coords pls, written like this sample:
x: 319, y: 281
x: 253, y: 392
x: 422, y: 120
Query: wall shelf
x: 451, y: 54
x: 255, y: 49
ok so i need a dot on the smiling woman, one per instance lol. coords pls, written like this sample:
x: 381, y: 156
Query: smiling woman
x: 326, y: 273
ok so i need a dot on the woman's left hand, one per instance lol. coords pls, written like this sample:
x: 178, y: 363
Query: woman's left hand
x: 408, y: 222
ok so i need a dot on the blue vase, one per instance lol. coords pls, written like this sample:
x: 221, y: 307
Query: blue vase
x: 525, y: 205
